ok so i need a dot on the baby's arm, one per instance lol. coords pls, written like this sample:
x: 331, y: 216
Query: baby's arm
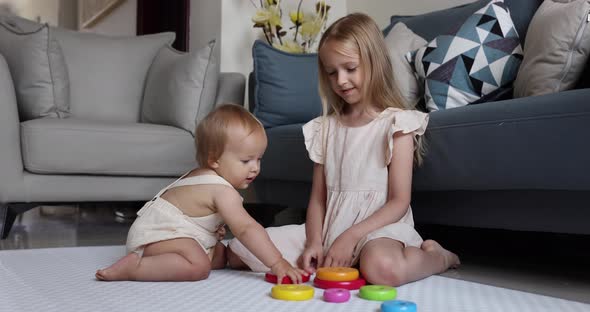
x: 252, y: 235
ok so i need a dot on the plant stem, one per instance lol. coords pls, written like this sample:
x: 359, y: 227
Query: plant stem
x: 297, y: 20
x: 268, y: 39
x: 278, y: 35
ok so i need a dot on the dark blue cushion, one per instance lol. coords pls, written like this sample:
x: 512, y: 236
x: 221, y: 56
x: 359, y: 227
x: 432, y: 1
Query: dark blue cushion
x: 443, y: 22
x: 285, y: 86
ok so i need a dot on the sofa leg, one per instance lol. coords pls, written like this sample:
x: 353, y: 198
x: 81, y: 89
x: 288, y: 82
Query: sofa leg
x: 7, y: 217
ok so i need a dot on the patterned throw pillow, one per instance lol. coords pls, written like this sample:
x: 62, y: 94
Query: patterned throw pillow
x: 481, y: 56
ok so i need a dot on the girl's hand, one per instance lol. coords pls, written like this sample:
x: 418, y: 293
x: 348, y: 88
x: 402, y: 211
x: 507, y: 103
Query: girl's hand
x: 312, y: 258
x: 282, y: 268
x: 341, y: 252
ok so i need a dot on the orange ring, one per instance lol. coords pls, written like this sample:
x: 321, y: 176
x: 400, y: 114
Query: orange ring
x: 337, y: 274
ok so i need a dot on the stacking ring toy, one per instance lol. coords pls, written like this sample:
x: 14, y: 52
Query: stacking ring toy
x: 337, y: 274
x: 398, y: 306
x: 350, y: 285
x: 337, y: 295
x: 271, y: 278
x: 378, y: 292
x: 292, y: 292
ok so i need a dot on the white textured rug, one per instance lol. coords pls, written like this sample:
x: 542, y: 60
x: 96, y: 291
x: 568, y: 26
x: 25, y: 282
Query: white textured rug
x: 62, y: 279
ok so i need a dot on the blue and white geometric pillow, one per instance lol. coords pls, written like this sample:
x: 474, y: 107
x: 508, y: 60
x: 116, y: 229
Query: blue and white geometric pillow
x: 481, y: 56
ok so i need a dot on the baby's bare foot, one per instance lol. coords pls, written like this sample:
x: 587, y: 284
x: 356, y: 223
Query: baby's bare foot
x: 120, y: 270
x: 451, y: 260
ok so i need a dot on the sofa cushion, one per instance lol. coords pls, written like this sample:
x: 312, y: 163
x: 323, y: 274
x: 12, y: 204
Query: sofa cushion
x: 37, y: 68
x: 75, y: 146
x: 181, y: 88
x: 557, y: 50
x: 432, y: 24
x: 516, y: 144
x: 400, y: 41
x: 285, y: 86
x: 108, y: 74
x: 482, y: 55
x: 286, y: 158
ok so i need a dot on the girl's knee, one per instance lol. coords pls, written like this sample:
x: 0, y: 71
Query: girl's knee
x: 384, y: 271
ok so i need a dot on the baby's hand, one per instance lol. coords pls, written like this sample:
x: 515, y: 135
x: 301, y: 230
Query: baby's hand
x: 220, y: 232
x: 282, y: 268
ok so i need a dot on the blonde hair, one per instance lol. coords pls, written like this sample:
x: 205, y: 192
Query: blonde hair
x: 360, y: 33
x: 211, y: 136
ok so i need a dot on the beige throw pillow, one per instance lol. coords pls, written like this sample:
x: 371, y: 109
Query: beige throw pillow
x: 556, y: 48
x: 181, y: 87
x: 400, y: 41
x: 108, y: 73
x: 37, y: 67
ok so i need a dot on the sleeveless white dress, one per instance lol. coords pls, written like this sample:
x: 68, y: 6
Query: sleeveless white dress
x: 355, y: 163
x: 160, y: 220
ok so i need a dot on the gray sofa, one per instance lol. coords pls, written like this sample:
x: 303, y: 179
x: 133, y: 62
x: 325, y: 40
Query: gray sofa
x: 515, y: 164
x: 95, y: 154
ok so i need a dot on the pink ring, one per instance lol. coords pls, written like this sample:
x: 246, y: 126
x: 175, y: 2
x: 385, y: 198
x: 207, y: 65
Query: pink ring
x: 336, y: 295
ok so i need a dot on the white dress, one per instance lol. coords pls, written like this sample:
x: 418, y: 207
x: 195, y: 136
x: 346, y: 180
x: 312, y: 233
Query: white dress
x: 355, y: 163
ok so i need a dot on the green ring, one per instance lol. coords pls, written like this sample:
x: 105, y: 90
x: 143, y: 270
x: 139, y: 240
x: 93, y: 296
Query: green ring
x: 378, y: 292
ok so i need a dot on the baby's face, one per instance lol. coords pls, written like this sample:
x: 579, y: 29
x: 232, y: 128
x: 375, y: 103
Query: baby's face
x: 239, y: 163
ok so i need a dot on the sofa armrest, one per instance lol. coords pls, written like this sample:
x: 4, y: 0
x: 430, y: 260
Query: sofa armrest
x: 231, y: 89
x: 11, y: 165
x: 530, y: 143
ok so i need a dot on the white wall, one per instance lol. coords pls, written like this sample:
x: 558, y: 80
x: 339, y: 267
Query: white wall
x: 205, y: 22
x: 237, y: 33
x: 122, y: 21
x: 45, y: 11
x: 382, y: 10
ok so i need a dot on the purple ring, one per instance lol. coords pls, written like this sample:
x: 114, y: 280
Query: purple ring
x: 336, y: 295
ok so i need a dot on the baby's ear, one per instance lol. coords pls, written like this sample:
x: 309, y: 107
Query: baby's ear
x: 213, y: 164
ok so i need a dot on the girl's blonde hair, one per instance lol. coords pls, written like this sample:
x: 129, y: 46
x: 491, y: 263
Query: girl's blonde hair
x: 211, y: 135
x: 360, y: 33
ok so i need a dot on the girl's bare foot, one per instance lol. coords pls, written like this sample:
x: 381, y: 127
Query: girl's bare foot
x: 120, y: 270
x: 451, y: 260
x: 219, y: 258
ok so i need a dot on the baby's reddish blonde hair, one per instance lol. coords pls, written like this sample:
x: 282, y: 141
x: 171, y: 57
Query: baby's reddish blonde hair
x: 211, y: 135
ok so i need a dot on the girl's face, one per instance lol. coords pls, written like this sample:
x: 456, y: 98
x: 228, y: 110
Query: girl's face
x: 342, y: 65
x: 239, y: 163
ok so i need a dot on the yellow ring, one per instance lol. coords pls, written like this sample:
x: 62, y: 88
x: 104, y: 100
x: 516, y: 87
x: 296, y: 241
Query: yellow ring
x: 292, y: 292
x: 337, y: 274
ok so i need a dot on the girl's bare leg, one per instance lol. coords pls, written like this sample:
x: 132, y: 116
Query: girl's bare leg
x: 234, y: 261
x: 180, y: 259
x: 386, y: 261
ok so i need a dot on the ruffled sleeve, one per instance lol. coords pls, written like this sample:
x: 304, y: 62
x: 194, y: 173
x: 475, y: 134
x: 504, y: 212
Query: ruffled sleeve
x: 406, y: 121
x: 314, y: 141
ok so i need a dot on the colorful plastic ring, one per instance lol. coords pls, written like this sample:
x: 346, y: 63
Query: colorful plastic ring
x: 378, y: 292
x: 271, y: 278
x: 292, y: 292
x: 398, y: 306
x: 337, y: 274
x: 337, y: 295
x: 350, y: 285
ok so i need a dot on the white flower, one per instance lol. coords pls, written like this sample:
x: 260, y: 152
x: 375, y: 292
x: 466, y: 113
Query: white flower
x: 289, y: 46
x: 306, y: 26
x: 311, y: 28
x: 262, y: 16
